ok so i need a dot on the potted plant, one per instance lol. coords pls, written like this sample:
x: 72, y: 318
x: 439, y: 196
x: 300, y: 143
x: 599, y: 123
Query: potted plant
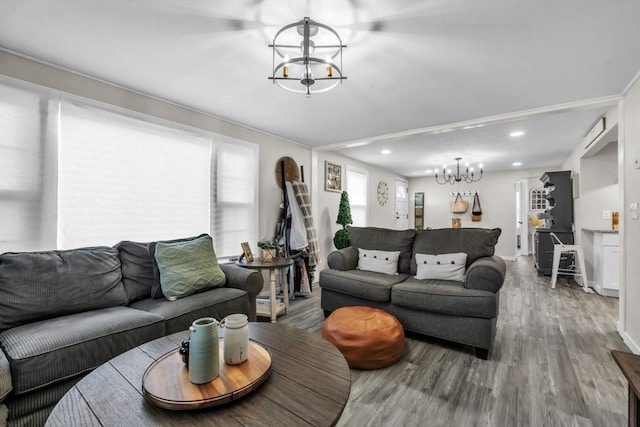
x: 268, y: 249
x: 341, y: 238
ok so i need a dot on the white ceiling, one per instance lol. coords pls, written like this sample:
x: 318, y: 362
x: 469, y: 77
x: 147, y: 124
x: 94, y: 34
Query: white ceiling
x: 418, y: 71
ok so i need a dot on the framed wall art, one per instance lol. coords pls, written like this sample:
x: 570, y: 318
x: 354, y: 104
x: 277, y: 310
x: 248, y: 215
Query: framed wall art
x: 333, y: 177
x: 246, y: 252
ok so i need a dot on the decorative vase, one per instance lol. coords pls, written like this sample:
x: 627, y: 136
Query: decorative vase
x: 266, y: 255
x: 236, y: 338
x: 204, y: 357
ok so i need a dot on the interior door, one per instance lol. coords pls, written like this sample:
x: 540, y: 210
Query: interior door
x: 402, y: 204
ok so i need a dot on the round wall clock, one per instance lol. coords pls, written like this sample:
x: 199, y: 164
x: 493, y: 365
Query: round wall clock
x: 383, y: 193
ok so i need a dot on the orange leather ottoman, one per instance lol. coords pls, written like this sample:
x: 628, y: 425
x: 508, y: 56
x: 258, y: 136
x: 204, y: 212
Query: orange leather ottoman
x: 369, y: 338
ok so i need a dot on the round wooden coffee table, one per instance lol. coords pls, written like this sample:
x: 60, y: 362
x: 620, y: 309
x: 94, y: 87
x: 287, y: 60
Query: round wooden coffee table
x: 309, y: 384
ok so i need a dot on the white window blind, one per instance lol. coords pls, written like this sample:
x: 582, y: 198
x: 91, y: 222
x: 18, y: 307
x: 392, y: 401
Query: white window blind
x: 357, y: 180
x: 233, y: 213
x: 126, y: 179
x: 28, y: 122
x: 73, y: 173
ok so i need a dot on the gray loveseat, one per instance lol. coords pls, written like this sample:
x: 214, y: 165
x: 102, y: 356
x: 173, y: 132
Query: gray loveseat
x: 461, y: 311
x: 64, y: 313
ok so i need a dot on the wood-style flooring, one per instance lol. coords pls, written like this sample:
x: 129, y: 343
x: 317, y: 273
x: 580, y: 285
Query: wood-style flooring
x: 550, y: 365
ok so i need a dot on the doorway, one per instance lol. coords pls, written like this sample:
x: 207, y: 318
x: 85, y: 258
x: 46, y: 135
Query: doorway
x: 402, y: 204
x: 522, y: 225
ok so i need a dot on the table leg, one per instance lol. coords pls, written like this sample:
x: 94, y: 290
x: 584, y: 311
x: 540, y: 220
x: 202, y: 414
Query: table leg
x: 634, y: 405
x: 289, y: 285
x: 272, y: 295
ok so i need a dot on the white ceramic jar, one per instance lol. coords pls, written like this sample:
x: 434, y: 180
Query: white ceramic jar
x: 204, y: 351
x: 236, y: 338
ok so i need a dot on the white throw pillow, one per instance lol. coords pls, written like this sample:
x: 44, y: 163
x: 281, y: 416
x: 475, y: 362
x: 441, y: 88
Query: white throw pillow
x: 443, y: 266
x: 378, y: 261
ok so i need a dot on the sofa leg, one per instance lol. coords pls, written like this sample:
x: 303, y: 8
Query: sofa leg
x: 482, y: 353
x: 326, y: 313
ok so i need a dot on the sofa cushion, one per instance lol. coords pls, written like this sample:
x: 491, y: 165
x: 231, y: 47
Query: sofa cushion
x: 137, y: 269
x: 445, y: 297
x: 156, y: 288
x: 443, y: 266
x: 180, y: 314
x: 188, y: 267
x: 51, y: 351
x: 384, y: 239
x: 378, y: 261
x: 363, y: 284
x: 40, y: 285
x: 5, y: 377
x: 475, y: 242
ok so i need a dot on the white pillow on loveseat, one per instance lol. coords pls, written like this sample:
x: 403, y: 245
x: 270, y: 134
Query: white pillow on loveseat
x: 442, y: 266
x: 378, y: 261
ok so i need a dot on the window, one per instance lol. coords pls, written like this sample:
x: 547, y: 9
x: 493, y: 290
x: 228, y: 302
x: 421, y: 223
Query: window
x: 106, y: 175
x: 28, y: 180
x: 233, y: 210
x: 122, y: 178
x: 537, y: 199
x: 357, y: 180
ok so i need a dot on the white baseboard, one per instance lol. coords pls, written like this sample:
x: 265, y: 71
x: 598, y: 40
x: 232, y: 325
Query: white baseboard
x: 635, y: 348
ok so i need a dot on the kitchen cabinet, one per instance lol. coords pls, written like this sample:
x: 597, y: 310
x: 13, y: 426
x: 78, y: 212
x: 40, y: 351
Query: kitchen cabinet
x: 606, y: 262
x: 558, y: 219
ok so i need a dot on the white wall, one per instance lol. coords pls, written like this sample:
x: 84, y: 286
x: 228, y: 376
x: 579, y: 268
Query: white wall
x: 327, y: 202
x: 629, y: 325
x: 497, y: 197
x: 596, y: 166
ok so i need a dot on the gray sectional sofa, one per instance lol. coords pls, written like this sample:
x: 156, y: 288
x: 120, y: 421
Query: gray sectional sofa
x: 64, y: 313
x: 461, y: 311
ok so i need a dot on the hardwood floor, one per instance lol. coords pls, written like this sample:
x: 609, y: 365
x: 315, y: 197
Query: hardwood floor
x: 550, y: 365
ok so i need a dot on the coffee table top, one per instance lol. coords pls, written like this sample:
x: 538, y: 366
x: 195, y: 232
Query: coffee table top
x: 309, y: 384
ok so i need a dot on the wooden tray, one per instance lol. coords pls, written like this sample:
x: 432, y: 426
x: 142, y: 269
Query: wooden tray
x: 166, y: 382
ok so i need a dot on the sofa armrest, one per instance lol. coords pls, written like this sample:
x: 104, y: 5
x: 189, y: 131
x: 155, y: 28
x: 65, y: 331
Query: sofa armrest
x: 5, y: 377
x: 245, y: 279
x: 343, y: 259
x: 486, y: 274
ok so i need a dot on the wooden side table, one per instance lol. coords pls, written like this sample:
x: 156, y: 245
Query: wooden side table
x: 629, y: 364
x: 276, y: 268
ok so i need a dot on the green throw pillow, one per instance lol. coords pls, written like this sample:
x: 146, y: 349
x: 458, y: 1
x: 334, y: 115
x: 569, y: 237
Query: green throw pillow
x: 188, y: 267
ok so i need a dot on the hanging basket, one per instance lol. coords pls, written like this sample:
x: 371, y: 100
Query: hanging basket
x: 476, y: 210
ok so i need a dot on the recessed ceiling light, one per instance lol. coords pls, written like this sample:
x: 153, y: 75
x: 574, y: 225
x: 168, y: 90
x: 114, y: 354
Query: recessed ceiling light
x: 428, y: 171
x: 517, y: 133
x: 517, y: 163
x: 386, y: 151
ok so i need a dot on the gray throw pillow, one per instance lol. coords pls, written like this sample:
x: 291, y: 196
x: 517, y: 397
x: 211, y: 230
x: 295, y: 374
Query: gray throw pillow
x: 5, y: 377
x: 40, y: 285
x: 137, y: 269
x: 188, y: 267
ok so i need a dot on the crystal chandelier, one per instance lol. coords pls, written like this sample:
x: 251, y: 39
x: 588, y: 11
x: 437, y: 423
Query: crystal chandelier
x: 307, y: 57
x: 467, y: 176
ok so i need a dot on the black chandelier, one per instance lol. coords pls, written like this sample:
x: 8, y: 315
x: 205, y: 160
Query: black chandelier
x: 307, y: 57
x: 467, y: 176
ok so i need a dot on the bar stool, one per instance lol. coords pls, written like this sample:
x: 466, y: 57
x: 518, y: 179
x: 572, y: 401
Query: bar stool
x: 561, y: 250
